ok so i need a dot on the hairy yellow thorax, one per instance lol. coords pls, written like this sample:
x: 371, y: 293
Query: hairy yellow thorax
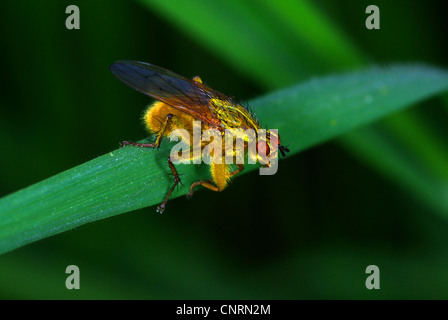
x: 233, y: 115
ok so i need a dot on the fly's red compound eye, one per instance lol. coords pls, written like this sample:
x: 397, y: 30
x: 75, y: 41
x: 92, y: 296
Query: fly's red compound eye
x: 263, y: 148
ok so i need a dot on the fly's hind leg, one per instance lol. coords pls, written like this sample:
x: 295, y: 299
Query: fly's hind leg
x: 197, y: 79
x: 209, y: 184
x: 162, y: 206
x: 205, y: 183
x: 156, y: 144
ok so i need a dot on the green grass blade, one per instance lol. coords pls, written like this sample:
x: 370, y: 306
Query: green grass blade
x: 386, y: 154
x: 218, y: 33
x: 323, y: 41
x: 297, y: 42
x: 317, y: 44
x: 131, y: 178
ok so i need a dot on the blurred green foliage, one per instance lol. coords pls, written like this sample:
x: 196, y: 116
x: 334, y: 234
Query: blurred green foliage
x: 132, y: 178
x: 307, y: 232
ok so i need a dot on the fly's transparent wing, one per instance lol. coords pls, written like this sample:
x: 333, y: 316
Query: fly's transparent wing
x: 176, y: 91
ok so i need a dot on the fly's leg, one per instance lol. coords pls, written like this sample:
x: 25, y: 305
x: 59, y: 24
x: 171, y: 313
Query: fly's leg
x: 156, y: 144
x: 209, y: 183
x: 197, y: 79
x: 205, y: 183
x: 240, y: 168
x: 162, y: 206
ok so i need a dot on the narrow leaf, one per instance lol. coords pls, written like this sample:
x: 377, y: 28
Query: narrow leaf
x: 131, y: 178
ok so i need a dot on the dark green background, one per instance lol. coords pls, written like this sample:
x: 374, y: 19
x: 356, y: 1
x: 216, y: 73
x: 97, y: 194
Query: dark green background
x: 310, y: 231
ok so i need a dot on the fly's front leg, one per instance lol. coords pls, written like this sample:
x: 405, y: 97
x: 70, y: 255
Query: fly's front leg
x: 162, y: 206
x: 156, y: 144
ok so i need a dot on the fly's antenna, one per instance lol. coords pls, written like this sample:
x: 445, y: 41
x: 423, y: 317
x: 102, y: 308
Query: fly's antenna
x: 283, y: 150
